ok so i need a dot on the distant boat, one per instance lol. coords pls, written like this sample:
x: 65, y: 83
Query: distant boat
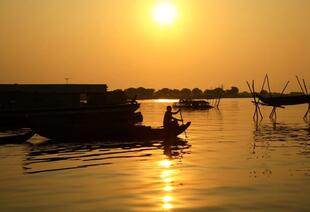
x: 193, y: 104
x: 284, y: 100
x: 97, y: 132
x: 16, y: 136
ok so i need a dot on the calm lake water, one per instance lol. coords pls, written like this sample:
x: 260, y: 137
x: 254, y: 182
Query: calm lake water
x: 227, y: 163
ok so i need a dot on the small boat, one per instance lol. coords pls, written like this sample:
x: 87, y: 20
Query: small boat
x: 278, y: 101
x: 16, y: 136
x: 96, y: 133
x: 193, y: 104
x: 147, y: 132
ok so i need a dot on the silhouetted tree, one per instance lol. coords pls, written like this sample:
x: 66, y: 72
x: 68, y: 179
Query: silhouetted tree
x: 186, y: 93
x: 214, y: 93
x: 141, y: 93
x: 131, y: 92
x: 176, y: 93
x: 163, y: 93
x: 233, y: 92
x: 244, y: 94
x: 197, y: 93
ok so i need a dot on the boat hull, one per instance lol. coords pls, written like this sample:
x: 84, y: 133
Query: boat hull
x: 16, y: 137
x: 95, y: 133
x: 68, y: 116
x: 285, y: 100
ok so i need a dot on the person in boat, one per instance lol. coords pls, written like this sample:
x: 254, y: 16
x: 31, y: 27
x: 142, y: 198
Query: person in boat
x: 169, y: 120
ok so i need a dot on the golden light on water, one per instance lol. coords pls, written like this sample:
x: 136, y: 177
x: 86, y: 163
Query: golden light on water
x: 166, y: 100
x: 165, y: 13
x: 165, y: 163
x: 167, y: 198
x: 167, y: 177
x: 167, y: 206
x: 168, y: 188
x: 168, y: 180
x: 166, y: 173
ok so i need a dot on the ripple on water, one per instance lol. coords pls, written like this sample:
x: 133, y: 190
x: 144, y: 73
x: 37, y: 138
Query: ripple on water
x: 225, y: 163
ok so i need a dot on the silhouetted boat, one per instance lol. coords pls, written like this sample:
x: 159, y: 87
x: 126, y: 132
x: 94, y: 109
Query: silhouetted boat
x: 24, y: 105
x: 193, y: 104
x: 97, y: 132
x: 16, y: 136
x: 147, y: 132
x: 120, y: 113
x: 284, y: 100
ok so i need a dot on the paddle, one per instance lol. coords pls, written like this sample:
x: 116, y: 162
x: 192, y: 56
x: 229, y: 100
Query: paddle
x: 183, y: 123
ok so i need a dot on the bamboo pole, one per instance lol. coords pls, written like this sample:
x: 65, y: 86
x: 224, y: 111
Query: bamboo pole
x: 303, y: 80
x: 285, y: 87
x: 268, y: 85
x: 300, y: 85
x: 264, y: 82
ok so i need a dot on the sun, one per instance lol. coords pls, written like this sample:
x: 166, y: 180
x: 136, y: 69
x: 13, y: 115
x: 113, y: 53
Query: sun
x: 165, y: 13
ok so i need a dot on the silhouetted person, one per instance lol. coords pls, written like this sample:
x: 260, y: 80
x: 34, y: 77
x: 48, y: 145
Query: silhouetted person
x: 169, y: 120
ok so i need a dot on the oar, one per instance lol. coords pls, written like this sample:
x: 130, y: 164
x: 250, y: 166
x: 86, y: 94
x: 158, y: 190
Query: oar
x: 183, y: 122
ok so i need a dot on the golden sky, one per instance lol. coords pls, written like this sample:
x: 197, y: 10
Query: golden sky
x: 118, y: 42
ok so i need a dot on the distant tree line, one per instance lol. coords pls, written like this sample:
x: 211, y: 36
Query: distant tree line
x: 196, y: 93
x: 185, y: 93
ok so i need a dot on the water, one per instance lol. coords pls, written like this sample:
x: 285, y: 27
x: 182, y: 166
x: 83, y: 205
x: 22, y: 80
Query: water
x: 227, y: 164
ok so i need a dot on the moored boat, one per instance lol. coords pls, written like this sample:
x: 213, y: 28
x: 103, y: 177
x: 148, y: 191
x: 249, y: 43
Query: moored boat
x: 284, y: 100
x: 193, y: 104
x: 16, y: 136
x: 26, y: 105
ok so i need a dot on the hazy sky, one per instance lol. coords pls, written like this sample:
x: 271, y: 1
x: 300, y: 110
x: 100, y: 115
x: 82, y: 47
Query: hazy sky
x: 117, y: 42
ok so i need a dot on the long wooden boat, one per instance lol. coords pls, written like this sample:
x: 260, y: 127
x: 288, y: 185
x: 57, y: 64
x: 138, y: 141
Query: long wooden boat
x: 97, y: 132
x: 284, y: 100
x: 193, y: 104
x: 66, y: 116
x: 16, y: 137
x: 19, y: 103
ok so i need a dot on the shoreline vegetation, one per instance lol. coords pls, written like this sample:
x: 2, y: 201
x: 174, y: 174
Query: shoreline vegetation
x: 196, y: 93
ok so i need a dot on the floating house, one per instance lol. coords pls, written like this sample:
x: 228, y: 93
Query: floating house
x: 79, y: 104
x: 193, y: 104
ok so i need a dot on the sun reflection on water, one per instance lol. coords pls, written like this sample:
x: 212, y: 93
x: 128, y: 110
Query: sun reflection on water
x: 167, y: 198
x: 167, y: 206
x: 167, y: 178
x: 165, y: 163
x: 170, y: 174
x: 168, y: 188
x: 166, y: 100
x: 166, y: 173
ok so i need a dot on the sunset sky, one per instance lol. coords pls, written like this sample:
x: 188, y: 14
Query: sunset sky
x: 204, y: 43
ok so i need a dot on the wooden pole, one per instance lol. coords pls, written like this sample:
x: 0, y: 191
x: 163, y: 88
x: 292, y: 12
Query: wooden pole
x: 264, y: 82
x: 300, y: 85
x: 285, y: 87
x: 306, y: 114
x: 303, y: 80
x: 268, y: 84
x: 255, y: 101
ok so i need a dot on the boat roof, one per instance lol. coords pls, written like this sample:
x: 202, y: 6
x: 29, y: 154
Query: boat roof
x: 54, y: 88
